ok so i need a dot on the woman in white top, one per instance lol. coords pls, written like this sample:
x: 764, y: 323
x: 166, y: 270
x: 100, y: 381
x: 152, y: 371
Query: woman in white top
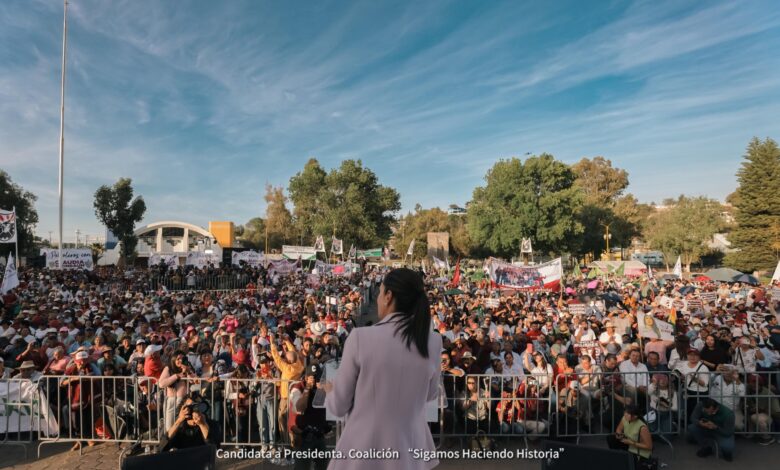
x: 541, y: 371
x: 695, y: 377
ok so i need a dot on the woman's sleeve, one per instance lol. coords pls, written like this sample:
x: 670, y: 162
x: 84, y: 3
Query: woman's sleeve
x: 435, y: 380
x: 341, y: 398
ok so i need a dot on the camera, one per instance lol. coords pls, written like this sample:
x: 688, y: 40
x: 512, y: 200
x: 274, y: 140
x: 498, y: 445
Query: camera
x: 200, y: 407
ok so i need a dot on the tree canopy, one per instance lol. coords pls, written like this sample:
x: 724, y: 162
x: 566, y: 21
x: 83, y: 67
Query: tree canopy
x: 12, y: 195
x: 684, y: 228
x: 605, y: 205
x: 348, y: 201
x: 116, y: 208
x: 757, y: 203
x: 416, y: 225
x: 536, y: 198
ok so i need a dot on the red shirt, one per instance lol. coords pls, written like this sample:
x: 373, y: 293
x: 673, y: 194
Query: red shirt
x: 153, y: 367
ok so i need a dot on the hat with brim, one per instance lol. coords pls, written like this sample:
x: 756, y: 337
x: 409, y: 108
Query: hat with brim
x: 27, y: 365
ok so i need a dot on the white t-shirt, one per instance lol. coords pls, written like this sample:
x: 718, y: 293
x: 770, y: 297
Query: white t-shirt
x: 691, y: 375
x: 634, y: 375
x: 727, y: 394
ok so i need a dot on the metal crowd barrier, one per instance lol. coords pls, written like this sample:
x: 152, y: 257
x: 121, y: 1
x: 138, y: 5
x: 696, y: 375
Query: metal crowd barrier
x: 250, y: 411
x: 495, y: 405
x: 182, y: 283
x: 100, y: 409
x: 18, y: 418
x: 593, y: 404
x: 750, y: 396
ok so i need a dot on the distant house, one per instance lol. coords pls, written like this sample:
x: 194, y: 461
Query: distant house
x: 456, y: 210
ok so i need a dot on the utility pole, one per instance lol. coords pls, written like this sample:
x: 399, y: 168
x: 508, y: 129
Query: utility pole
x: 607, y: 236
x: 77, y: 237
x: 62, y: 122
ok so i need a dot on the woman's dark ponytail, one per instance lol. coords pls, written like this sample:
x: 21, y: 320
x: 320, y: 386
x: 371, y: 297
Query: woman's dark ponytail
x: 411, y: 302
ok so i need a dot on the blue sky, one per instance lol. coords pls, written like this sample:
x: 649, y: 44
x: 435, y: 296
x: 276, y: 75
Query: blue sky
x: 202, y: 103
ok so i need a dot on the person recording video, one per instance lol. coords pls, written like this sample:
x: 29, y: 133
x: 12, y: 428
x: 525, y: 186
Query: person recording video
x: 309, y: 423
x: 192, y: 428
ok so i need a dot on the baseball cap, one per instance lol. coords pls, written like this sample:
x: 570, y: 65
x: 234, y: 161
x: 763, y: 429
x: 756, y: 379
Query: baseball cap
x: 81, y: 356
x: 151, y: 349
x: 314, y: 370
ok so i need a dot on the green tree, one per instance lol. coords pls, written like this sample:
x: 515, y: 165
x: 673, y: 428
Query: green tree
x: 536, y: 198
x: 252, y: 234
x: 605, y: 205
x: 348, y: 202
x: 757, y: 208
x: 278, y: 218
x: 116, y: 208
x: 13, y: 195
x: 684, y: 228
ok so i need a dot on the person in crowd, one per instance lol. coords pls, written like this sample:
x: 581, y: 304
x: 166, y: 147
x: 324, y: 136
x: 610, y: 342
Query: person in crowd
x: 713, y: 354
x: 728, y: 390
x: 191, y: 428
x: 291, y: 367
x: 632, y: 435
x: 308, y: 422
x: 176, y: 380
x: 695, y: 377
x: 762, y: 408
x: 663, y: 403
x: 712, y: 424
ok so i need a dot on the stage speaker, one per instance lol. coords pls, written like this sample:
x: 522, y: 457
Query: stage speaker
x: 194, y: 458
x: 577, y: 457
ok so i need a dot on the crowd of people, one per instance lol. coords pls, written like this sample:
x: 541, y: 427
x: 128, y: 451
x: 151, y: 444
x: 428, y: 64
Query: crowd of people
x: 244, y: 365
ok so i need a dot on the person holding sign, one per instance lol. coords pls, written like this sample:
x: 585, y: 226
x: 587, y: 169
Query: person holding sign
x: 387, y: 374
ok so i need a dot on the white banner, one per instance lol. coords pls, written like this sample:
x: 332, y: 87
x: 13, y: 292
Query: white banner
x: 439, y: 264
x: 252, y: 258
x: 306, y: 253
x: 336, y: 246
x: 541, y: 276
x: 72, y: 258
x: 319, y: 245
x: 172, y: 261
x: 201, y: 259
x: 11, y: 277
x: 283, y: 267
x: 651, y: 327
x: 21, y: 401
x: 7, y: 226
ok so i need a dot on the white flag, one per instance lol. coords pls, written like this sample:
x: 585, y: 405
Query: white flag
x: 319, y: 245
x: 678, y: 268
x: 352, y: 252
x: 776, y: 275
x: 7, y: 226
x: 410, y: 251
x: 11, y: 277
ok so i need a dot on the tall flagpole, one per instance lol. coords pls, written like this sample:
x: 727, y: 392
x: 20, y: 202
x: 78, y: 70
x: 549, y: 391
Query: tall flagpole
x: 16, y: 232
x: 62, y: 122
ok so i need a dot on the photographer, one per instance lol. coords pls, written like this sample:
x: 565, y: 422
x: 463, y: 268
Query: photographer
x: 191, y: 428
x: 309, y: 423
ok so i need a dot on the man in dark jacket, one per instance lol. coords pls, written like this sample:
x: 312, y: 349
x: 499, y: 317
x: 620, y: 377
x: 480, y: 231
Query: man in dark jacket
x: 712, y: 423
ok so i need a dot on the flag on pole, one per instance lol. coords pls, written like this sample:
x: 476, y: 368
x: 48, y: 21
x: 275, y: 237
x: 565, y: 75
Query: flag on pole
x: 352, y: 252
x: 319, y: 245
x: 410, y: 251
x: 621, y: 270
x: 456, y: 274
x: 7, y: 226
x: 776, y: 275
x: 11, y: 277
x: 576, y: 272
x: 678, y: 268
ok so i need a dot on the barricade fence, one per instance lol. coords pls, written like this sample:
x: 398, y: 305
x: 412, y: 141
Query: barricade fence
x: 259, y: 412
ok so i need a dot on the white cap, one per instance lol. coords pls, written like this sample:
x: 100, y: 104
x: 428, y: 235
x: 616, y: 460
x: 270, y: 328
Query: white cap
x: 151, y: 349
